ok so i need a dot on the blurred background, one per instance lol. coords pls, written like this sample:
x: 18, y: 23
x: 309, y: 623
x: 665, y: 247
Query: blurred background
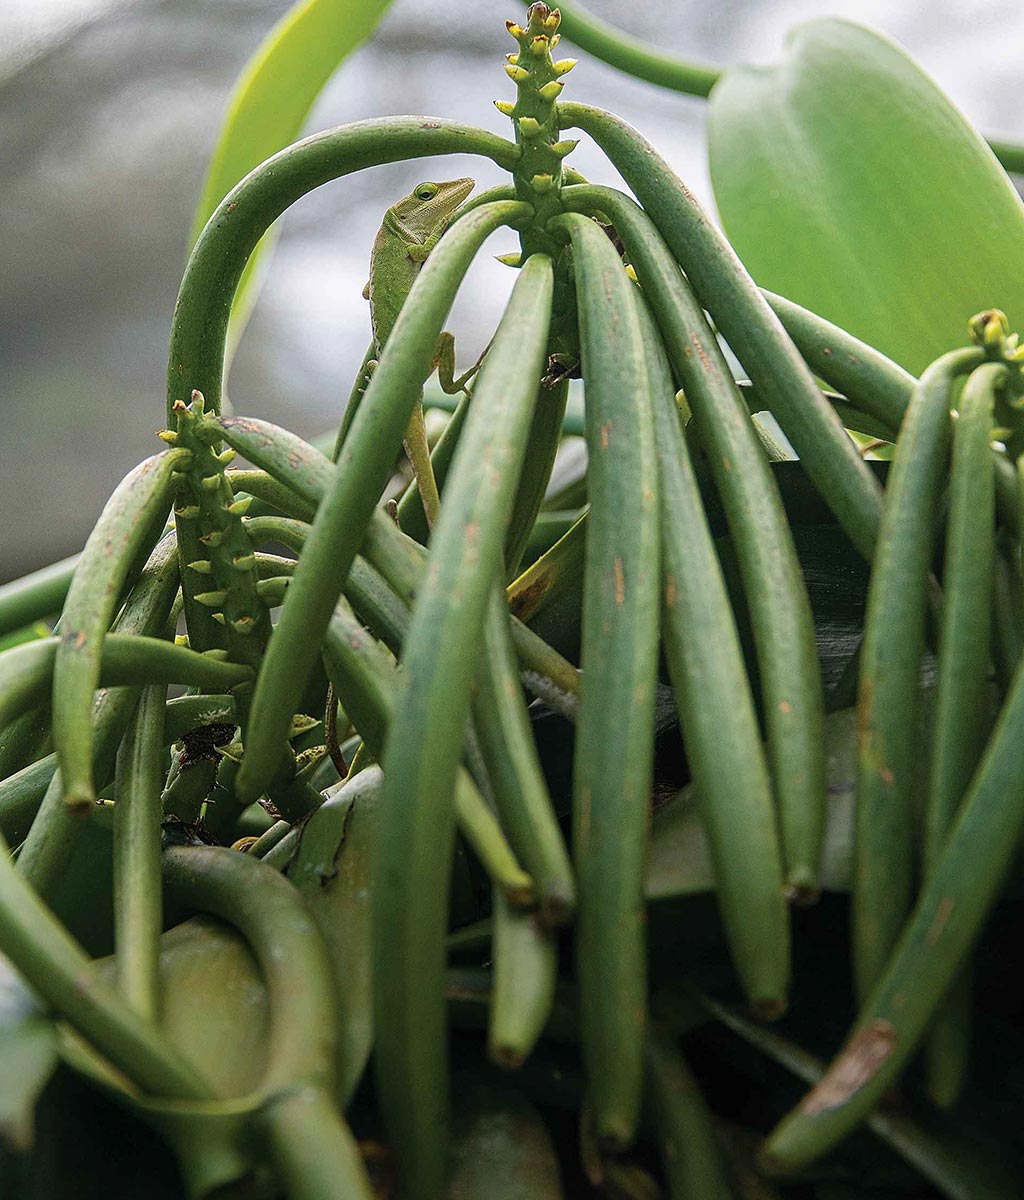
x: 109, y: 110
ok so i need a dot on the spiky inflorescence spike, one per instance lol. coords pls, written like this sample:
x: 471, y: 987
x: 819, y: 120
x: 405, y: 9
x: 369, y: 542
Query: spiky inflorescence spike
x: 215, y: 546
x: 538, y: 174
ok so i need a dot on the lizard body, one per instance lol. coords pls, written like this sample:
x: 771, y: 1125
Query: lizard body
x: 410, y: 230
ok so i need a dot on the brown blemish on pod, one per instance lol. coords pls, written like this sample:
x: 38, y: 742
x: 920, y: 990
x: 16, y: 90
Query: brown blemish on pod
x: 856, y: 1066
x: 620, y: 582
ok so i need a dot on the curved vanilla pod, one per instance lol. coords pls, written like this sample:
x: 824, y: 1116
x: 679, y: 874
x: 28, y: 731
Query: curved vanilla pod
x: 366, y: 681
x: 521, y: 794
x: 780, y: 611
x: 956, y: 1166
x: 890, y: 665
x: 425, y: 741
x: 138, y: 895
x: 299, y: 1079
x: 690, y: 1155
x: 55, y: 827
x: 750, y: 327
x: 199, y: 334
x: 946, y: 921
x: 61, y: 973
x: 132, y: 515
x: 356, y: 484
x: 960, y: 721
x: 615, y: 728
x: 716, y: 714
x: 525, y: 969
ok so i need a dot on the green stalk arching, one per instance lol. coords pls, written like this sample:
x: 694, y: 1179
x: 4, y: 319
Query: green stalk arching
x: 139, y: 501
x: 690, y: 1155
x: 366, y: 681
x: 525, y: 969
x: 218, y: 259
x: 750, y: 327
x: 269, y: 495
x: 138, y: 895
x: 890, y: 664
x: 772, y: 579
x: 510, y: 754
x: 59, y: 970
x: 947, y: 919
x: 356, y: 484
x: 425, y: 741
x: 274, y: 920
x: 615, y: 726
x: 55, y: 828
x: 961, y: 697
x: 716, y: 713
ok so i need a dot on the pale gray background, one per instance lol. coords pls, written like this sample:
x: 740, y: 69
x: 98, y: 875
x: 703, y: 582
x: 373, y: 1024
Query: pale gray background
x: 109, y: 108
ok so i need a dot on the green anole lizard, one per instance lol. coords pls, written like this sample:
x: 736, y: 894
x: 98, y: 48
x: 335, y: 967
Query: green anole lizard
x: 410, y: 230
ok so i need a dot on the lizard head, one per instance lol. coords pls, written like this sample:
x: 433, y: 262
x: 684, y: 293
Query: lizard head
x: 430, y: 206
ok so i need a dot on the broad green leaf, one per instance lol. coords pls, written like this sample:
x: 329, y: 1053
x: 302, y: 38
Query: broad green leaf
x: 848, y: 182
x: 272, y: 99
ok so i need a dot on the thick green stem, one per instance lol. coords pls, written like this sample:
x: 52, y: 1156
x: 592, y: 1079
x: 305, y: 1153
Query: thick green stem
x: 890, y: 664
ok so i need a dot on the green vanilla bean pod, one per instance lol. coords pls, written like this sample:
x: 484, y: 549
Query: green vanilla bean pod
x: 55, y: 827
x: 776, y: 596
x: 138, y: 906
x: 425, y: 741
x: 35, y: 596
x: 218, y: 569
x: 366, y: 682
x: 510, y: 753
x: 138, y: 504
x: 716, y: 713
x: 959, y: 726
x: 26, y: 672
x: 199, y: 334
x: 690, y: 1155
x: 59, y: 970
x: 525, y: 968
x: 890, y: 665
x: 957, y: 1168
x: 356, y: 484
x: 1007, y: 612
x: 557, y: 569
x: 750, y: 327
x: 615, y: 726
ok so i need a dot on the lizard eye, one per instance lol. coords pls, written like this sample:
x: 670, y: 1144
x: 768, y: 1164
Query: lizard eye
x: 426, y: 191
